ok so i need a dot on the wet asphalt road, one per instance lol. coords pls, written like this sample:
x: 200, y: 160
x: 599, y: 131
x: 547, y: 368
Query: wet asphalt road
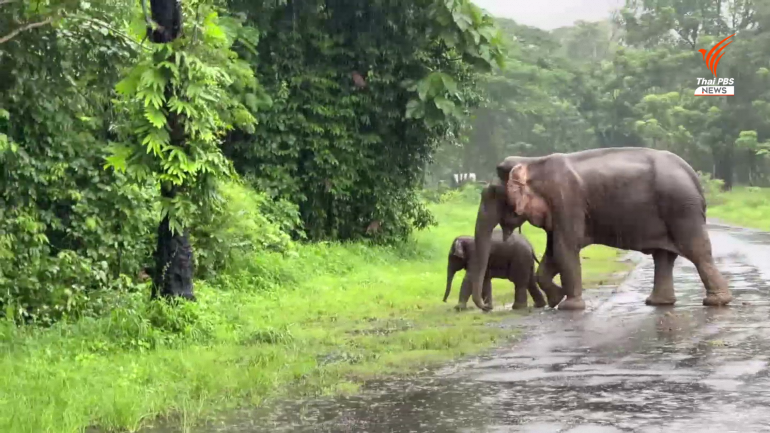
x: 619, y: 366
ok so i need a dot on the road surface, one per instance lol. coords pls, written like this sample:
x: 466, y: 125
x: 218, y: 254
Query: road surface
x: 619, y: 366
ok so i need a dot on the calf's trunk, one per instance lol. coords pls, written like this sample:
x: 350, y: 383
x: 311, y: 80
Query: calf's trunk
x: 450, y: 274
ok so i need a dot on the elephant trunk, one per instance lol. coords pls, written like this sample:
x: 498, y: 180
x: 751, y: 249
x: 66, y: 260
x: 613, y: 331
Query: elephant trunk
x: 487, y: 218
x: 450, y: 274
x: 507, y: 232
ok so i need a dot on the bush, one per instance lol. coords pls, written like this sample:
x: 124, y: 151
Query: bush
x: 248, y: 223
x: 86, y: 262
x: 712, y: 189
x: 467, y: 193
x: 58, y: 257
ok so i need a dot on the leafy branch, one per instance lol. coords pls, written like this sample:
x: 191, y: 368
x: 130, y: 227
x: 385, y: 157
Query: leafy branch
x: 179, y: 104
x: 24, y: 28
x: 471, y: 36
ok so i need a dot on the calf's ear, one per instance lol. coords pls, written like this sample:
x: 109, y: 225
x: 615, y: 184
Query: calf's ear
x: 458, y: 250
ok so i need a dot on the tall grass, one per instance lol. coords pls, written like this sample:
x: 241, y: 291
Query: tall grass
x: 316, y: 320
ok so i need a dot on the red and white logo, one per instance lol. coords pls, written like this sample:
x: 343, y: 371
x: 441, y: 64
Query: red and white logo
x: 715, y: 86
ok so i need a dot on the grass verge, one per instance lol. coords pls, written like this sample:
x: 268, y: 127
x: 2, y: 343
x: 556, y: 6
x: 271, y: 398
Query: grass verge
x: 743, y: 206
x: 341, y: 314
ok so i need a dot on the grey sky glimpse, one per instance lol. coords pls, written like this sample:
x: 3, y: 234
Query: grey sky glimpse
x: 550, y: 14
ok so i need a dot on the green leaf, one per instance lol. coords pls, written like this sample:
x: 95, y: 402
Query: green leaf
x: 449, y: 84
x: 91, y: 223
x: 117, y: 162
x: 414, y: 109
x: 445, y: 105
x: 128, y: 85
x: 424, y: 87
x: 155, y: 117
x: 462, y: 20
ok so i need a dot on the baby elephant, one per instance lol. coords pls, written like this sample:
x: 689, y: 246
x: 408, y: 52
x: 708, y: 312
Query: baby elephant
x: 513, y: 259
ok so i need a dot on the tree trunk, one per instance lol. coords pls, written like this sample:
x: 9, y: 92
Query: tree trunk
x: 173, y: 255
x: 724, y: 169
x: 167, y: 15
x: 173, y: 260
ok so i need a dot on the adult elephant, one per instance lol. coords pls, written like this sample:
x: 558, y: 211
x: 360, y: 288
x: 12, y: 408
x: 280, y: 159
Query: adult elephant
x: 629, y: 198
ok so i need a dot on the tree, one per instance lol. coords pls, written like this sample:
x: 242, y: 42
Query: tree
x: 363, y: 92
x: 19, y: 17
x: 529, y: 106
x: 684, y: 26
x: 68, y: 229
x: 588, y: 42
x: 179, y: 100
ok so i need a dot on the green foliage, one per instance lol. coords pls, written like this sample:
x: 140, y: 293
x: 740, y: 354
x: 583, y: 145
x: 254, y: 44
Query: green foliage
x: 461, y: 27
x: 747, y: 140
x: 712, y: 189
x: 178, y: 102
x: 353, y: 157
x: 247, y: 224
x: 743, y: 206
x: 705, y: 131
x: 81, y: 92
x: 531, y: 107
x: 68, y: 230
x: 628, y: 81
x: 588, y: 42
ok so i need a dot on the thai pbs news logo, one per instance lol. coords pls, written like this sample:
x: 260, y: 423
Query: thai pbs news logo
x: 715, y: 86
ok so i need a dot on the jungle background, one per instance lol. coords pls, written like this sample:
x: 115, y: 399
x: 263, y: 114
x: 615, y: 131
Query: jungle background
x: 304, y: 150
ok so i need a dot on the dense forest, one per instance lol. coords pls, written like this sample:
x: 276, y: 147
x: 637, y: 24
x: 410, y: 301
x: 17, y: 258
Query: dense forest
x: 125, y: 156
x: 628, y: 81
x: 236, y: 128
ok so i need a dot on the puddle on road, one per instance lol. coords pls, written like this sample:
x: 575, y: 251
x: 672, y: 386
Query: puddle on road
x: 623, y: 367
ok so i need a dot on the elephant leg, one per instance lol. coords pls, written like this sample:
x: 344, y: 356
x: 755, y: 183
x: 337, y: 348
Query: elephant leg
x: 546, y: 272
x: 567, y: 256
x: 534, y: 291
x: 519, y: 294
x: 694, y: 244
x: 486, y: 292
x: 466, y: 289
x: 663, y: 287
x: 465, y: 294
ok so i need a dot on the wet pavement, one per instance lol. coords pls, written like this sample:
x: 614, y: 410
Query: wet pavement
x: 619, y: 366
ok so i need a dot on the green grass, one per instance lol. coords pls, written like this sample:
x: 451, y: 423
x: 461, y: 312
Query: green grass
x: 744, y: 206
x: 341, y: 314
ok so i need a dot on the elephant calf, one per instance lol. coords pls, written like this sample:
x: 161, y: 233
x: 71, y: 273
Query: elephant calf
x: 512, y: 259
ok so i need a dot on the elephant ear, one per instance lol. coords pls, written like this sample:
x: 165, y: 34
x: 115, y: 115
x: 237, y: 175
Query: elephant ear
x: 459, y: 250
x: 526, y: 201
x: 516, y: 189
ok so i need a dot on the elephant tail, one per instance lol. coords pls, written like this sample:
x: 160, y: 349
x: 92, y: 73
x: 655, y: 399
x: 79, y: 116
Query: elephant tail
x: 535, y: 257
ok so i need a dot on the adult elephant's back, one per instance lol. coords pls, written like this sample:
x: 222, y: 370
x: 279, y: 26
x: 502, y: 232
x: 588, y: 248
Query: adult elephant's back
x: 627, y: 198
